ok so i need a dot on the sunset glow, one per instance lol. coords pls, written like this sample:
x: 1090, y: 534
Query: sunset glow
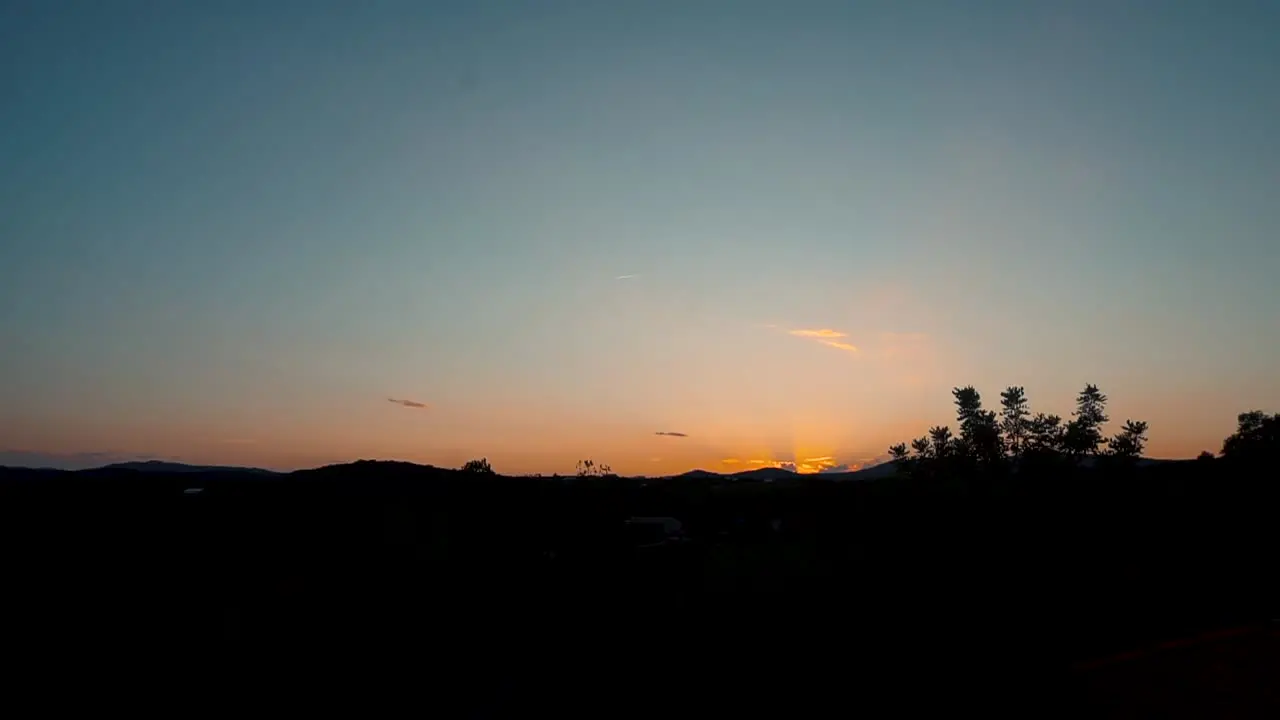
x: 702, y: 236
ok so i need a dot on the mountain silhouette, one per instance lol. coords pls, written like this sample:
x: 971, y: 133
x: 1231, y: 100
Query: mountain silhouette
x: 765, y: 473
x: 161, y: 466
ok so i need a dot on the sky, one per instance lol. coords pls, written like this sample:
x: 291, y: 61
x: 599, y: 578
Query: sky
x: 292, y: 233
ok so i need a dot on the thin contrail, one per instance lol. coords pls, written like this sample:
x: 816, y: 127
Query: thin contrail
x: 627, y: 277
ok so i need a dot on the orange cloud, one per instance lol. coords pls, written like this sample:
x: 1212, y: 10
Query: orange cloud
x: 826, y: 336
x: 840, y: 345
x: 730, y: 461
x: 812, y: 465
x: 822, y: 333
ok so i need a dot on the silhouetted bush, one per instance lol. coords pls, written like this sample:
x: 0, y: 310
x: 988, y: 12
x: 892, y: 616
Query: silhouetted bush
x: 480, y: 466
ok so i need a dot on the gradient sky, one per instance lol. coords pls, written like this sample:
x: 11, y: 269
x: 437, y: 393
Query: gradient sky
x: 231, y: 231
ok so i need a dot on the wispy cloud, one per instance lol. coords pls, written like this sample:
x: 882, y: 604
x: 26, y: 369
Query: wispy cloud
x: 627, y: 277
x: 820, y: 333
x: 730, y: 461
x: 824, y: 464
x: 826, y: 336
x: 870, y: 462
x: 839, y: 468
x: 848, y: 347
x: 407, y: 403
x: 671, y: 434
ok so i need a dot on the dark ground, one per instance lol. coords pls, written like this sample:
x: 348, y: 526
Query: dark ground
x: 490, y: 596
x: 1229, y: 673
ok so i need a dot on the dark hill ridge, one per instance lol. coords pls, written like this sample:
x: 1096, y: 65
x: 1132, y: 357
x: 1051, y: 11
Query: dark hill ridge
x: 766, y: 473
x: 948, y: 583
x: 161, y: 466
x: 887, y: 469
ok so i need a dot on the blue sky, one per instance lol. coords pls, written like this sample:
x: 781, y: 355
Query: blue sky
x: 232, y: 230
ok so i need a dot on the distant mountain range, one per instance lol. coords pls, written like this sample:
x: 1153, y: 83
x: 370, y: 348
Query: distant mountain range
x: 773, y: 473
x: 161, y: 466
x: 765, y: 474
x: 886, y: 469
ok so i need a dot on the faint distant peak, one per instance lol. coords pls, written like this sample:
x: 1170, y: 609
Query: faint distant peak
x: 161, y: 466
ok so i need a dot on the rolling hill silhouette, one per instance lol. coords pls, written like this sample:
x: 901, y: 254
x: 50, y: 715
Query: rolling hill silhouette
x: 161, y: 466
x: 983, y: 579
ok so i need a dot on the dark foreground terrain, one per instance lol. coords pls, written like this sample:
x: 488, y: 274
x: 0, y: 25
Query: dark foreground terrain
x: 481, y: 595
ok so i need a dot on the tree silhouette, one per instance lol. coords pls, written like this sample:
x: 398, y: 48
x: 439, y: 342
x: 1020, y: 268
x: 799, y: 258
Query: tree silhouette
x: 985, y: 439
x: 968, y: 405
x: 1014, y: 419
x: 942, y: 441
x: 1205, y: 456
x: 1130, y: 441
x: 1257, y: 437
x: 1084, y: 433
x: 1045, y: 434
x: 480, y: 466
x: 901, y: 458
x: 979, y: 433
